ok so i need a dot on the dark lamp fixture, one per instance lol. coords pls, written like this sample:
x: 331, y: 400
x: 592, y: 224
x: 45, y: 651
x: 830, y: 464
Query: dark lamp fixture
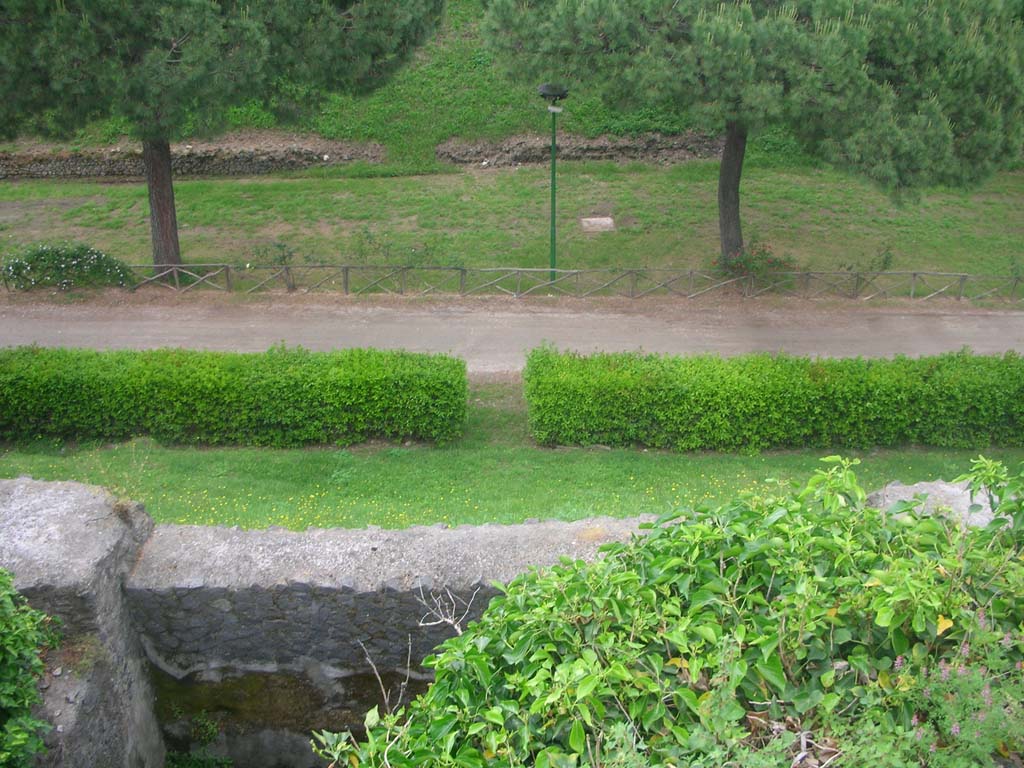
x: 553, y: 92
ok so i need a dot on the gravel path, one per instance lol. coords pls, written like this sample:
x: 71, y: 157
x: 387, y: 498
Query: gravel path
x: 493, y: 334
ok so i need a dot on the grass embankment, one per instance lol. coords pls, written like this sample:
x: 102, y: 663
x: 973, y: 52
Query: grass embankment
x: 452, y: 87
x: 493, y: 474
x: 666, y: 217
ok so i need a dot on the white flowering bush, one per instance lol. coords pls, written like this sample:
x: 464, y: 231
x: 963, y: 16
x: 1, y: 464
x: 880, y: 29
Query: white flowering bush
x: 64, y: 266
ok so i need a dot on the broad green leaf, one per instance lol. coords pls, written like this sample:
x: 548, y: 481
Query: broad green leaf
x: 577, y: 737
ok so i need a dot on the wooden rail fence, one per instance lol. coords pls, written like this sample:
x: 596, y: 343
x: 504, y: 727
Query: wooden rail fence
x: 358, y: 279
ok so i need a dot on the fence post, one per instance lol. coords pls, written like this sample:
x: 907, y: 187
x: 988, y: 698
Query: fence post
x: 462, y: 281
x: 960, y: 289
x: 632, y: 284
x: 401, y: 280
x: 288, y: 281
x: 344, y: 278
x: 856, y: 285
x: 227, y: 276
x: 913, y: 285
x: 177, y: 285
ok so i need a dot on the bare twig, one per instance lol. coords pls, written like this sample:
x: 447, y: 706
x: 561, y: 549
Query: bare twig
x: 385, y: 693
x: 444, y: 608
x: 376, y: 674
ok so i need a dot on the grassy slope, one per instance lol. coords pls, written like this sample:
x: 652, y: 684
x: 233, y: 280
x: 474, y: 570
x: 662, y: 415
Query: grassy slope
x: 451, y: 88
x: 494, y: 474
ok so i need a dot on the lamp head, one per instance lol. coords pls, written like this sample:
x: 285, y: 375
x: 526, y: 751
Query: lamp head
x: 553, y: 92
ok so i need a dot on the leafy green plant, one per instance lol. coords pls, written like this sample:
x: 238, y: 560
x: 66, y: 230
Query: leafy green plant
x: 756, y: 258
x: 747, y: 634
x: 65, y: 266
x: 284, y: 397
x: 761, y: 401
x: 881, y: 262
x: 24, y: 633
x: 276, y: 253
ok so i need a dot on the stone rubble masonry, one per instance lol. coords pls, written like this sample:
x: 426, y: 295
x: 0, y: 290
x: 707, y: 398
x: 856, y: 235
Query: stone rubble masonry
x: 69, y: 547
x: 536, y: 149
x: 100, y: 163
x: 207, y: 599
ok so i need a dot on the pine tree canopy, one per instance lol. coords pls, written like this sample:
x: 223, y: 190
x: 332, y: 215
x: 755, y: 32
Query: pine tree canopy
x: 168, y: 64
x: 906, y: 92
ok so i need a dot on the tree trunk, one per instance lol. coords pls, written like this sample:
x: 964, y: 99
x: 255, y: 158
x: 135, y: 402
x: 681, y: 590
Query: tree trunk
x: 163, y: 220
x: 729, y: 191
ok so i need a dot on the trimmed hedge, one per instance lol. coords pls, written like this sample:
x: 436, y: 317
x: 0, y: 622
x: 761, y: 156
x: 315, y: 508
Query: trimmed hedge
x: 284, y: 397
x: 774, y: 401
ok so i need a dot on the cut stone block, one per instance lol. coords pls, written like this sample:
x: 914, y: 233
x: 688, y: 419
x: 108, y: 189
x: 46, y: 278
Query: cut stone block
x: 598, y: 224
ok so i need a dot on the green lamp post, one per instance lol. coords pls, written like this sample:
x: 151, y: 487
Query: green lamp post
x: 553, y: 93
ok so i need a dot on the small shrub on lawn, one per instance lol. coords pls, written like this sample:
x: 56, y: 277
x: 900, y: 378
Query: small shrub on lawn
x: 756, y: 258
x: 23, y: 634
x: 800, y: 627
x: 65, y: 267
x: 958, y: 400
x: 284, y: 397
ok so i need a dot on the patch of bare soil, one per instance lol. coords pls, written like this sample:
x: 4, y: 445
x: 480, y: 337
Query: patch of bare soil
x: 523, y: 150
x: 710, y: 305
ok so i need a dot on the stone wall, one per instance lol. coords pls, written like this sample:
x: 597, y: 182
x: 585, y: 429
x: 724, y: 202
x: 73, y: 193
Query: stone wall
x: 536, y: 149
x: 127, y: 163
x: 69, y: 547
x: 305, y: 615
x: 207, y: 598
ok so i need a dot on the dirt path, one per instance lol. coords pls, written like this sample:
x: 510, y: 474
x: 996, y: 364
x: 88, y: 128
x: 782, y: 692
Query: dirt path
x: 493, y: 334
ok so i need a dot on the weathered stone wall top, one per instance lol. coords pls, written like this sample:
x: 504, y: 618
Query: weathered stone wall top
x: 69, y: 547
x: 61, y: 540
x: 364, y: 560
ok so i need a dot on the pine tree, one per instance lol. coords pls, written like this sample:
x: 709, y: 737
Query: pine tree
x: 168, y: 64
x: 906, y: 92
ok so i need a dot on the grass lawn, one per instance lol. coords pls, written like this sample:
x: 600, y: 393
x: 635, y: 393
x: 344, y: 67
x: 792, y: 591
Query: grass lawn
x: 823, y: 219
x: 494, y: 474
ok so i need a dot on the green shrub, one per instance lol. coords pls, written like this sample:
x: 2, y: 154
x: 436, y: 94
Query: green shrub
x: 23, y: 633
x: 284, y: 397
x: 800, y: 621
x: 764, y: 401
x: 65, y: 267
x: 756, y: 258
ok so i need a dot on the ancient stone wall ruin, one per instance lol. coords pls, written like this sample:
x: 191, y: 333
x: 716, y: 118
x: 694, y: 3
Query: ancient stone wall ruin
x: 213, y: 605
x: 213, y: 161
